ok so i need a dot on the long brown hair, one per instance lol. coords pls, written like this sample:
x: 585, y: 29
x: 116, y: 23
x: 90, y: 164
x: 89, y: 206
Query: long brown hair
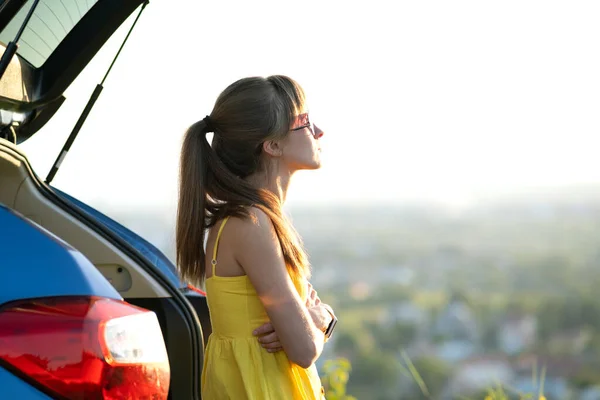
x: 211, y: 183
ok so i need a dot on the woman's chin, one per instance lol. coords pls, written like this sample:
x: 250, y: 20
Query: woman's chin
x: 314, y: 164
x: 310, y: 167
x: 306, y: 165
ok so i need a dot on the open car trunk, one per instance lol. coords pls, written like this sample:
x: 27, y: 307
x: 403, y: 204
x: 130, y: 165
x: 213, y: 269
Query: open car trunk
x: 44, y: 46
x: 132, y: 274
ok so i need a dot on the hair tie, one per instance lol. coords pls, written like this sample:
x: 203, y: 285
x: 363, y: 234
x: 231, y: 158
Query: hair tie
x: 208, y: 123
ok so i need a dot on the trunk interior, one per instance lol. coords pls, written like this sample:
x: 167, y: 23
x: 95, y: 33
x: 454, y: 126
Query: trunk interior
x: 131, y: 274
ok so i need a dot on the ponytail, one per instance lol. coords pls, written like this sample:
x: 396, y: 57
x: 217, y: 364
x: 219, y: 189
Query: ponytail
x: 191, y: 215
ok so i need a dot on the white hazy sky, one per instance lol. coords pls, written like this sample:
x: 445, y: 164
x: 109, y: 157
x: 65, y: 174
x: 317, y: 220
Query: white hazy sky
x: 420, y: 100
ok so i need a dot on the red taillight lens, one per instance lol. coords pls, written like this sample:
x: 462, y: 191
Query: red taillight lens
x: 86, y: 347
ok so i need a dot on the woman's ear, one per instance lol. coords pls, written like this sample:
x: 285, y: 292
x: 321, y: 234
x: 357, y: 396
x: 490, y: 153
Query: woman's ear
x: 273, y: 148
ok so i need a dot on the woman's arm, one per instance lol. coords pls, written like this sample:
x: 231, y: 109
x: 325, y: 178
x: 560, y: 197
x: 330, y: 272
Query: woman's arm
x: 258, y: 251
x: 322, y: 315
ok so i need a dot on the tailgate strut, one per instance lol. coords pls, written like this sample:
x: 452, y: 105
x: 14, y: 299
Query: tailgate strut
x: 88, y: 107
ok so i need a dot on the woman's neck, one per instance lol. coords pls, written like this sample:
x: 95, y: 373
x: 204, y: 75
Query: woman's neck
x: 276, y: 183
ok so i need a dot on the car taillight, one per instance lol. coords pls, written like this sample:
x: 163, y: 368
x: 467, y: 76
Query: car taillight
x: 86, y: 347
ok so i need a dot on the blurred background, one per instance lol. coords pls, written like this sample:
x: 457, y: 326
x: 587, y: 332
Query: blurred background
x: 455, y: 224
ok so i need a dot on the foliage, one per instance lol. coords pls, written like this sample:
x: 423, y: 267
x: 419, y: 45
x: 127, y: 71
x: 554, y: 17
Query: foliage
x: 500, y: 394
x: 335, y: 378
x: 434, y: 372
x: 376, y: 366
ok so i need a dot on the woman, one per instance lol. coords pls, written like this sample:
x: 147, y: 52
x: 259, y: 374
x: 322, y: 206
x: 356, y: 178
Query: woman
x: 269, y: 325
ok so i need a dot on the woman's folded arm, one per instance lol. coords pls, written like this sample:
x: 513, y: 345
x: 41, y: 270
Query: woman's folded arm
x: 258, y: 251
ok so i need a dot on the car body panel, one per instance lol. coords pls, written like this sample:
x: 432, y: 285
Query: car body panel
x: 35, y: 263
x: 146, y: 249
x: 197, y: 298
x: 13, y: 387
x: 39, y: 263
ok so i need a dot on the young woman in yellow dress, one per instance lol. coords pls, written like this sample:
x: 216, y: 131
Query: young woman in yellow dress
x: 268, y: 323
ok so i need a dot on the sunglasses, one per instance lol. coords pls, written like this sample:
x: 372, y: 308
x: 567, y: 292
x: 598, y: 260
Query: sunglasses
x: 302, y: 121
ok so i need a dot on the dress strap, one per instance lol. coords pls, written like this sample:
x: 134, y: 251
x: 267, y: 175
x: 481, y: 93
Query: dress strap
x: 214, y: 257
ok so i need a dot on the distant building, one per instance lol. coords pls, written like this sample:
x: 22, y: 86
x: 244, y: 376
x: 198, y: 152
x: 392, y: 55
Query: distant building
x: 517, y: 333
x: 453, y: 351
x: 592, y: 393
x: 457, y: 322
x: 407, y: 312
x: 396, y: 274
x: 558, y: 371
x: 479, y: 373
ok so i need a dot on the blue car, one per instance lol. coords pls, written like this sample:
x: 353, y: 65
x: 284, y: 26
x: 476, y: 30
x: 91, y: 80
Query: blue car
x: 88, y: 309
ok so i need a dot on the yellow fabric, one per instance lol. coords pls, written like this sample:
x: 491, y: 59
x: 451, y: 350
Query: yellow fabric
x: 235, y: 365
x: 216, y: 248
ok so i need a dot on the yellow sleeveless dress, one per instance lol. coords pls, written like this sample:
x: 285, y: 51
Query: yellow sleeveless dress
x: 236, y: 366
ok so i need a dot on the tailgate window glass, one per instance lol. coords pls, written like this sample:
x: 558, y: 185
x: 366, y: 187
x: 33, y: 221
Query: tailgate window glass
x: 50, y: 23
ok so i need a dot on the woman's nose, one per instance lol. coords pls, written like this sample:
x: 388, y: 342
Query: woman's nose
x: 318, y: 132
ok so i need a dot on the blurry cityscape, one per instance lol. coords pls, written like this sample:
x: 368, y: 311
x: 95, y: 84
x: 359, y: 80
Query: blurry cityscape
x: 501, y: 293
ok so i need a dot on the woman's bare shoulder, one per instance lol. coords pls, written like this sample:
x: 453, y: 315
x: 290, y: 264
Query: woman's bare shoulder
x: 252, y: 232
x: 257, y: 221
x: 254, y: 241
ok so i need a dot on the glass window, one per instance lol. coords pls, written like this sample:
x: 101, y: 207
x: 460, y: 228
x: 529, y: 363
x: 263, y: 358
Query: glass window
x: 50, y: 23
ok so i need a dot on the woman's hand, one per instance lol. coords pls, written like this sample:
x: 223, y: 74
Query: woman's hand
x: 312, y: 299
x: 321, y: 313
x: 267, y: 337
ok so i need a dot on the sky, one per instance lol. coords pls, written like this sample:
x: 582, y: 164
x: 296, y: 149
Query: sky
x: 437, y: 101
